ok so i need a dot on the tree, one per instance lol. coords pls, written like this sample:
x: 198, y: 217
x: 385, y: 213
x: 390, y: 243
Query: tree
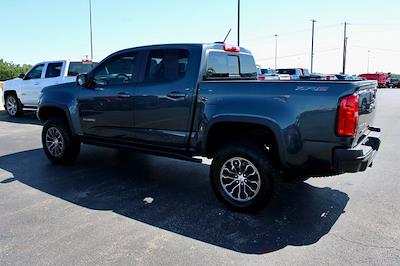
x: 9, y: 70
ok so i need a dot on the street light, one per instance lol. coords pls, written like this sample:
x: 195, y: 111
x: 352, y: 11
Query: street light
x: 238, y: 24
x: 312, y: 45
x: 369, y: 53
x: 276, y: 50
x: 91, y: 35
x: 344, y: 47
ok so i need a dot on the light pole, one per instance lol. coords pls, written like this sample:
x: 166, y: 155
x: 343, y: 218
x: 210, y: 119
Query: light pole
x: 276, y: 50
x: 91, y: 34
x: 238, y: 24
x: 344, y: 48
x: 312, y: 45
x: 369, y: 53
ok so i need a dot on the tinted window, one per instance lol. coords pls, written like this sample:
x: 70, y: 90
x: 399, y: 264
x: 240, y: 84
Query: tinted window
x: 267, y: 71
x: 76, y: 68
x: 225, y: 65
x: 166, y: 65
x: 35, y: 73
x: 54, y: 70
x: 119, y: 70
x: 247, y: 66
x: 289, y: 71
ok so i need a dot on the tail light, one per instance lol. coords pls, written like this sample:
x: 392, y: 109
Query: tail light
x: 261, y: 78
x: 348, y: 116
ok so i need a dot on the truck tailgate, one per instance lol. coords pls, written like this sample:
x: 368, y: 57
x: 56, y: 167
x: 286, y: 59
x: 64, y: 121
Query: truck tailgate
x: 367, y: 105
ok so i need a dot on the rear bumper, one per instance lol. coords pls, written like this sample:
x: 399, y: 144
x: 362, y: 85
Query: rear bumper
x: 360, y: 157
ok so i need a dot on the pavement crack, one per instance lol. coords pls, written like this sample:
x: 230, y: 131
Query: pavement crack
x: 365, y: 245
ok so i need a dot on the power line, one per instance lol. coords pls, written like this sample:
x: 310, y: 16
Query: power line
x: 266, y: 37
x: 376, y: 24
x: 377, y: 49
x: 299, y: 54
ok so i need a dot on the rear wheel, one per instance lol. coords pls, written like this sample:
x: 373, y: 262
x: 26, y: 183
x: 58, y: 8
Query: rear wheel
x: 242, y: 176
x: 58, y: 143
x: 13, y: 106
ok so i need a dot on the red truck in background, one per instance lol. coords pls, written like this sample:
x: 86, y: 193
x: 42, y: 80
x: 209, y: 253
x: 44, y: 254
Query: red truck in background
x: 381, y: 78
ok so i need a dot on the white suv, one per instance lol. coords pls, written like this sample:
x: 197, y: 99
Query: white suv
x: 23, y: 92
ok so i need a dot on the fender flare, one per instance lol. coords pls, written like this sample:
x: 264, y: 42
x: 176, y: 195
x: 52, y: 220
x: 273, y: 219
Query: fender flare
x: 250, y: 119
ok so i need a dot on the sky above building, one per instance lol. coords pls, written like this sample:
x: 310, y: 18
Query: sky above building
x: 34, y: 31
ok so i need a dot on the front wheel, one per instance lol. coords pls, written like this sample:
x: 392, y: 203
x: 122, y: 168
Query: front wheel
x: 242, y: 176
x: 58, y: 143
x: 13, y: 106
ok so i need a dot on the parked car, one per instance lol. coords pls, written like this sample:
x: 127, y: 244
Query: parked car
x: 23, y: 92
x: 343, y: 77
x: 314, y: 76
x: 186, y: 100
x: 381, y: 78
x: 393, y: 83
x: 267, y: 74
x: 291, y: 73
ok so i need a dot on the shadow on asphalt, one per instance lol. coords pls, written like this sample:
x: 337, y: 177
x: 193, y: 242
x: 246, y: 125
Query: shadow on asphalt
x: 105, y: 179
x: 29, y: 117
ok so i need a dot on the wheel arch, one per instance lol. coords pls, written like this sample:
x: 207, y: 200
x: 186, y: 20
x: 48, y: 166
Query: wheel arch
x: 48, y: 111
x: 252, y: 124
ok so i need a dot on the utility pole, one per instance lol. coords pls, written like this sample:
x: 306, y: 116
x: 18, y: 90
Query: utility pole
x: 344, y: 48
x: 276, y: 50
x: 91, y: 34
x: 312, y: 45
x: 238, y: 24
x: 369, y: 52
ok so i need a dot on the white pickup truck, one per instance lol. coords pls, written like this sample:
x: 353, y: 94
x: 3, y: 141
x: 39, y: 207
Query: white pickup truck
x: 23, y: 92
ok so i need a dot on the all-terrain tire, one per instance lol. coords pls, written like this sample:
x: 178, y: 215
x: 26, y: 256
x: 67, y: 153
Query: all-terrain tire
x: 58, y: 143
x: 242, y: 176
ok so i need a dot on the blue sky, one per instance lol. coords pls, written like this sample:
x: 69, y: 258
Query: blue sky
x: 40, y: 30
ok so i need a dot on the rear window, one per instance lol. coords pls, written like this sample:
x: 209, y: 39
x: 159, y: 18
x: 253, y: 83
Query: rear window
x: 76, y: 68
x: 224, y: 65
x: 289, y: 71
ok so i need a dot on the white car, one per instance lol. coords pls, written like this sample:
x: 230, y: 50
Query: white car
x: 291, y: 73
x: 23, y: 92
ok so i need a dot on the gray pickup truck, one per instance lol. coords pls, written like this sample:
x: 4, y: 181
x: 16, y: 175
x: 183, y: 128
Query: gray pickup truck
x: 188, y: 100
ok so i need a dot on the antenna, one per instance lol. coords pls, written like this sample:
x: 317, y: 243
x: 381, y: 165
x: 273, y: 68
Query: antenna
x: 226, y: 37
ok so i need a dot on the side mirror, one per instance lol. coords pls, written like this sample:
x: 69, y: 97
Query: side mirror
x: 21, y: 76
x: 82, y: 80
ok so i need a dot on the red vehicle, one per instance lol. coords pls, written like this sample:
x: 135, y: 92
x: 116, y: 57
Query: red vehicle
x: 381, y: 78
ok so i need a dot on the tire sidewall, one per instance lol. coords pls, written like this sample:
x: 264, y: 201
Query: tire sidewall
x: 260, y: 160
x: 71, y: 146
x: 19, y: 109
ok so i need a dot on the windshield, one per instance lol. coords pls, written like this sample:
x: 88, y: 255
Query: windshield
x: 76, y: 68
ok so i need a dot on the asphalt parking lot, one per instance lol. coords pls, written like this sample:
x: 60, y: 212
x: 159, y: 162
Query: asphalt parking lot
x: 98, y: 211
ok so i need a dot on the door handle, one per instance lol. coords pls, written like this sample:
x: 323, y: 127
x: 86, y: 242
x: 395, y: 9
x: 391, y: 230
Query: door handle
x: 124, y: 95
x: 36, y: 83
x: 176, y: 94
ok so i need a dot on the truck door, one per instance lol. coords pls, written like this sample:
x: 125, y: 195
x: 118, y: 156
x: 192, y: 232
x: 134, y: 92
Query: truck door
x: 164, y: 99
x: 106, y: 108
x: 52, y: 74
x: 31, y: 86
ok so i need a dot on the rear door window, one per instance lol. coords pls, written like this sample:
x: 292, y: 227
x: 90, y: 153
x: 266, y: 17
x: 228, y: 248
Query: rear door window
x: 166, y: 65
x: 54, y: 70
x: 224, y: 65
